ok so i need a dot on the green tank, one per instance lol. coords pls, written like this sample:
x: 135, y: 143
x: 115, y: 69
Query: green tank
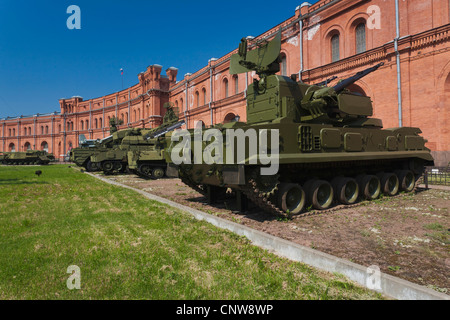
x: 110, y: 156
x: 27, y: 157
x: 81, y: 155
x: 316, y: 145
x: 147, y: 155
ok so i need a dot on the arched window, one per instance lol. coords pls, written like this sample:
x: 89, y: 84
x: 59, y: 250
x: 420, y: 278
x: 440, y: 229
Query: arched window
x: 14, y: 132
x: 59, y: 127
x: 29, y: 131
x: 46, y: 129
x: 176, y: 103
x: 82, y: 125
x: 12, y: 147
x: 96, y: 123
x: 42, y: 129
x: 139, y: 114
x: 229, y: 117
x: 134, y: 115
x: 197, y: 99
x: 236, y: 84
x: 101, y: 122
x: 225, y: 87
x: 10, y: 132
x: 27, y: 146
x: 44, y: 146
x: 204, y: 95
x: 283, y: 65
x: 126, y: 117
x: 181, y: 102
x: 360, y: 33
x: 87, y: 124
x: 335, y: 48
x: 25, y: 131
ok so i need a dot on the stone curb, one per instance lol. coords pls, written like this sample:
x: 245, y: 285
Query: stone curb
x: 388, y: 285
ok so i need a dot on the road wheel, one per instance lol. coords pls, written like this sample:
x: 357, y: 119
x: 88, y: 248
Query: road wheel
x: 389, y: 183
x: 319, y: 193
x: 406, y: 180
x: 291, y: 198
x: 158, y: 173
x: 108, y: 166
x: 369, y: 186
x: 345, y: 189
x: 91, y: 166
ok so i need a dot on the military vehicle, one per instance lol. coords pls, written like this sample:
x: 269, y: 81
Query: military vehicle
x: 26, y: 157
x: 329, y: 148
x: 148, y: 156
x: 141, y: 151
x: 81, y: 155
x: 109, y: 156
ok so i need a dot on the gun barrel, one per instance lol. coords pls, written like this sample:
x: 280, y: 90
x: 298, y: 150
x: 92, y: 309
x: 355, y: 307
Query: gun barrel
x: 346, y: 82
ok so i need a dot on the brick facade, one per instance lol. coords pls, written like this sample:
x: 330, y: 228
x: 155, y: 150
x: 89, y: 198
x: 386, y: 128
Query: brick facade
x: 421, y: 52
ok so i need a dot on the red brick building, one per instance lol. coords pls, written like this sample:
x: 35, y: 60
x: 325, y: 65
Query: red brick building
x: 337, y: 38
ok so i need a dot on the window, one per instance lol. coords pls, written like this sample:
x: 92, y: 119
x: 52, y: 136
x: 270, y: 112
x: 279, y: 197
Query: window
x: 360, y: 32
x: 283, y: 65
x: 10, y: 132
x: 197, y: 99
x: 82, y: 125
x: 42, y: 129
x: 335, y: 48
x: 204, y: 95
x: 101, y: 123
x: 14, y: 132
x: 25, y: 131
x: 225, y: 87
x: 236, y: 84
x: 46, y: 129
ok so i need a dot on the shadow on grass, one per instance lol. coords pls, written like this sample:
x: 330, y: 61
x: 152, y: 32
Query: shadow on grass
x: 5, y: 182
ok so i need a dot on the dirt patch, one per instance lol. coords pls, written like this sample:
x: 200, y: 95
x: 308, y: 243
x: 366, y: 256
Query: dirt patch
x: 406, y: 236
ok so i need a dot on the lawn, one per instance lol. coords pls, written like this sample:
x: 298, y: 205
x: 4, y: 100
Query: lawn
x: 129, y: 247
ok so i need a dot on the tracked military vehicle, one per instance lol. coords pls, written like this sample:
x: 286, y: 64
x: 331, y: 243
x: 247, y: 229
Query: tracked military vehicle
x: 81, y: 155
x: 147, y: 157
x: 27, y: 157
x: 329, y: 148
x: 139, y: 150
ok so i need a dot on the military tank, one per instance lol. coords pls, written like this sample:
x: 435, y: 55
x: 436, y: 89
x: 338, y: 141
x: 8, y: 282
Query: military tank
x: 326, y: 147
x: 110, y: 157
x: 28, y: 157
x: 147, y: 157
x: 81, y: 155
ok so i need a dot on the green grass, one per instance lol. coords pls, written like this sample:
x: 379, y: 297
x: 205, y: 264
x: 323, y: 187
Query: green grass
x: 129, y: 247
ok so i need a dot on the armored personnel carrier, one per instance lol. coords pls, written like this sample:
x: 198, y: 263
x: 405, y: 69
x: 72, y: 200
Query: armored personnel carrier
x: 321, y: 140
x: 27, y: 157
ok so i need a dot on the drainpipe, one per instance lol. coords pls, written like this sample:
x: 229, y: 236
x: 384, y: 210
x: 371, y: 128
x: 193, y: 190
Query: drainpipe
x: 397, y: 55
x: 211, y: 89
x: 300, y: 25
x: 186, y: 95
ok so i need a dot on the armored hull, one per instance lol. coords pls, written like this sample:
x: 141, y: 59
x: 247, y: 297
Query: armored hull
x: 303, y: 145
x: 26, y: 158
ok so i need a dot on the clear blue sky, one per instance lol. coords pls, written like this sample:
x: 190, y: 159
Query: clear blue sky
x: 41, y: 60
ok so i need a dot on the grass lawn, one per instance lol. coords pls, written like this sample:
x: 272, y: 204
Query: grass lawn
x: 129, y: 247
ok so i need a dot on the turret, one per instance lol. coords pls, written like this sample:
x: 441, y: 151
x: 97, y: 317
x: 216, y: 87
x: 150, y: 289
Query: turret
x: 275, y: 98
